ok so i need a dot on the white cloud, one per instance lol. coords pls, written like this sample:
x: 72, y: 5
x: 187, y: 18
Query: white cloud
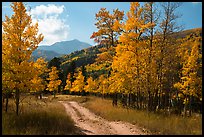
x: 46, y: 10
x: 50, y: 24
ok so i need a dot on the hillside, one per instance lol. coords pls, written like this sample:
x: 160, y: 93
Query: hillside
x: 48, y: 55
x: 88, y: 55
x: 184, y: 33
x: 82, y: 57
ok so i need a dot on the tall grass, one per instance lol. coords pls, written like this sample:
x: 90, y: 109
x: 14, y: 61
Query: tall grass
x: 154, y: 123
x: 38, y: 117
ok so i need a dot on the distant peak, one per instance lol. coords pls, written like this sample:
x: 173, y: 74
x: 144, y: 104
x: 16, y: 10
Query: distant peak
x: 75, y: 40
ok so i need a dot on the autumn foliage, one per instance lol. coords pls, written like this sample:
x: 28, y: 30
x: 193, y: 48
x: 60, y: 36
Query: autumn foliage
x: 19, y: 39
x: 141, y: 63
x: 150, y: 68
x: 54, y: 82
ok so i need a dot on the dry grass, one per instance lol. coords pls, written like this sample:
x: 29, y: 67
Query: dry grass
x: 48, y: 115
x: 38, y: 117
x: 155, y: 123
x: 77, y: 98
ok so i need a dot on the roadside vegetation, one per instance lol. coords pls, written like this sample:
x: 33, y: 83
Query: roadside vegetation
x: 150, y: 122
x: 153, y: 123
x: 38, y: 117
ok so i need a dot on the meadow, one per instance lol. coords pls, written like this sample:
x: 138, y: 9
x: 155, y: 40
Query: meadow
x: 152, y: 123
x: 37, y: 117
x: 48, y: 117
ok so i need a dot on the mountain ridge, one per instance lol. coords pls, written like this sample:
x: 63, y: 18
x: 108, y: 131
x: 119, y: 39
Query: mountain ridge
x: 65, y: 47
x: 59, y: 49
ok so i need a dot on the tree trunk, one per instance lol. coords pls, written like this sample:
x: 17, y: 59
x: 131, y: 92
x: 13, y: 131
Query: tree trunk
x: 128, y: 100
x: 114, y: 103
x: 17, y: 101
x: 184, y: 110
x: 6, y: 102
x: 40, y: 96
x: 185, y: 106
x: 149, y: 101
x: 54, y: 94
x: 190, y: 106
x: 157, y: 103
x: 3, y: 98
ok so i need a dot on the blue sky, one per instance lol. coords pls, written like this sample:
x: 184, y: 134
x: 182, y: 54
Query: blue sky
x: 62, y: 21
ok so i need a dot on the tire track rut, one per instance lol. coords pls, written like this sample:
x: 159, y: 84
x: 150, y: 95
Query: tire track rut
x: 91, y: 124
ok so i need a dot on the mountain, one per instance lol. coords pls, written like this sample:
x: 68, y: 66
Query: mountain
x: 48, y: 55
x: 59, y: 49
x: 65, y: 47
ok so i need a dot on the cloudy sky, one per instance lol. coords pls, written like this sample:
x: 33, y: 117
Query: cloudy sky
x: 62, y: 21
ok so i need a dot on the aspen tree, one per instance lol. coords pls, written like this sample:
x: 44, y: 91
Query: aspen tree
x: 91, y: 85
x: 105, y: 21
x: 19, y: 39
x: 53, y: 81
x: 165, y: 52
x: 190, y: 81
x: 78, y: 84
x: 127, y: 61
x: 38, y: 82
x: 68, y: 82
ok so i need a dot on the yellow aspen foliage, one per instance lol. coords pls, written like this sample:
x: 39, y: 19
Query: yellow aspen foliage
x: 19, y: 39
x: 119, y: 83
x: 19, y: 34
x: 37, y: 84
x: 78, y: 85
x: 68, y: 82
x: 91, y: 85
x: 107, y: 34
x: 104, y: 57
x: 53, y: 80
x: 190, y: 83
x: 103, y: 84
x: 40, y: 68
x: 135, y: 24
x: 129, y: 63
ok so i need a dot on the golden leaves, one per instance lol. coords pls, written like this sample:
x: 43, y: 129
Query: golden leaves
x: 91, y: 85
x: 78, y: 85
x: 190, y: 80
x: 107, y: 31
x: 53, y: 80
x: 19, y: 39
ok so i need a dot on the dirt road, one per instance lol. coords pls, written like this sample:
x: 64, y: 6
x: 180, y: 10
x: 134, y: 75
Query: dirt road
x: 91, y: 124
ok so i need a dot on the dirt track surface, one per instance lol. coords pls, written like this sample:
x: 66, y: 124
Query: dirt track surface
x: 91, y: 124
